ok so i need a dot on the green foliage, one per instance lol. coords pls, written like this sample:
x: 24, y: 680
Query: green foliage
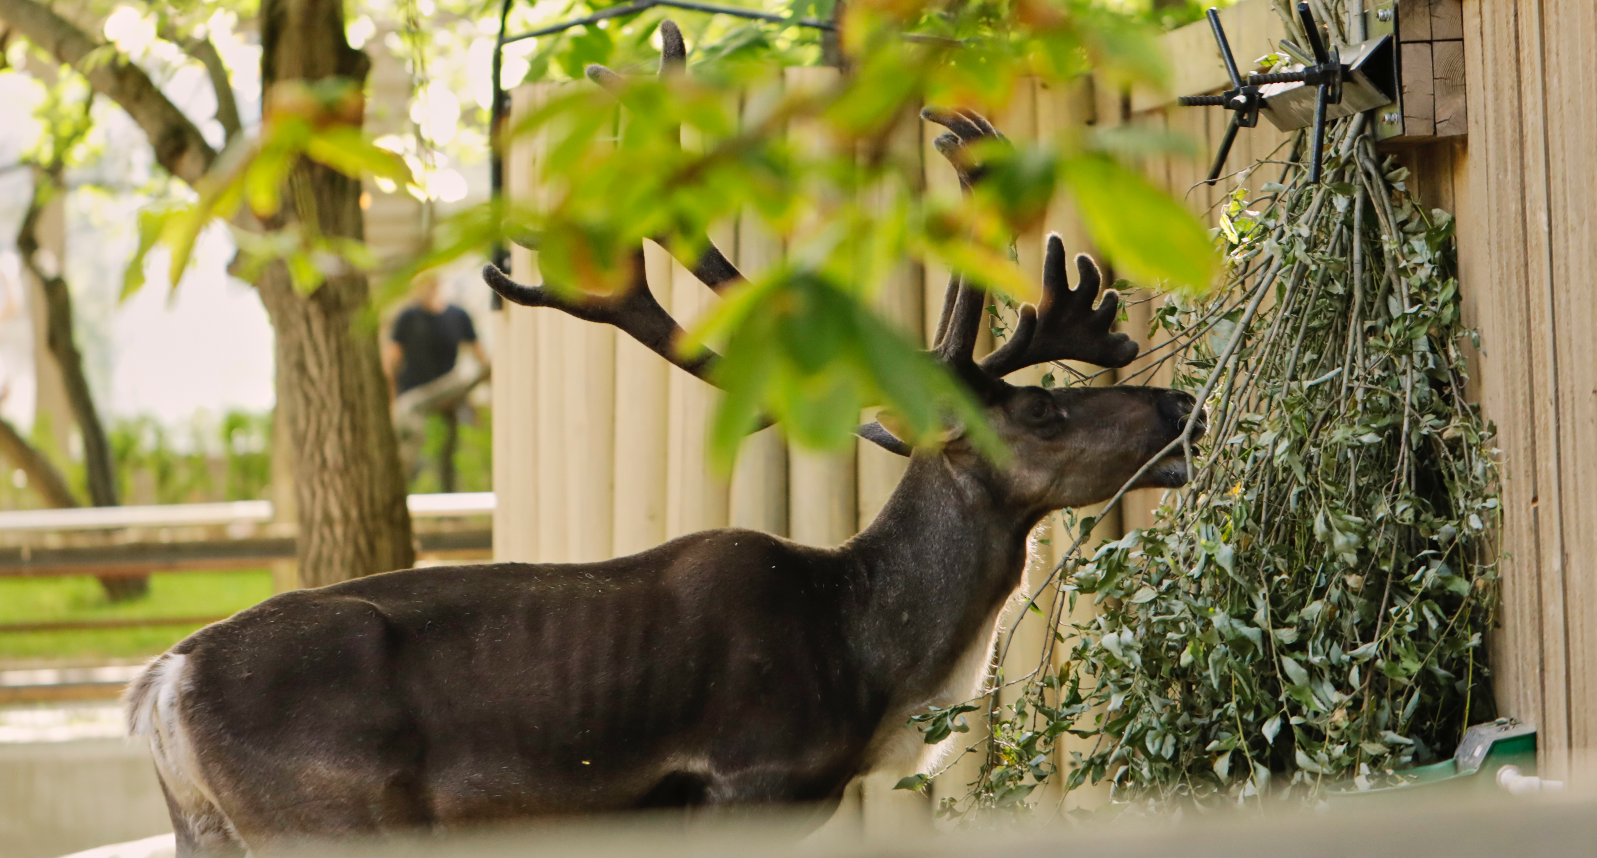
x: 1309, y: 613
x: 319, y: 123
x: 172, y: 594
x: 474, y: 467
x: 230, y: 461
x: 816, y: 165
x: 611, y: 184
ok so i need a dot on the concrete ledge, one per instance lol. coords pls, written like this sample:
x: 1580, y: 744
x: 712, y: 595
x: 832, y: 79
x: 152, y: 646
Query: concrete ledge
x: 62, y: 797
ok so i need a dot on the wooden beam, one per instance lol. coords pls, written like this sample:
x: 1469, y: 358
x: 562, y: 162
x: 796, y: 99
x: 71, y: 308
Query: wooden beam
x: 642, y: 386
x: 1446, y: 20
x: 758, y: 495
x: 1419, y: 93
x: 1414, y: 20
x: 1451, y: 112
x: 143, y: 558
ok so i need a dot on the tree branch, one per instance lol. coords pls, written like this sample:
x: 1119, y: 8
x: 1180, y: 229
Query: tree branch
x: 42, y: 475
x: 204, y: 51
x: 178, y: 144
x: 62, y: 344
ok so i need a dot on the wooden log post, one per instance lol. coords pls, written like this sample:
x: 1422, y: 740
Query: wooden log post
x: 822, y: 507
x: 515, y: 382
x: 589, y: 383
x: 696, y: 495
x: 759, y: 489
x: 642, y: 405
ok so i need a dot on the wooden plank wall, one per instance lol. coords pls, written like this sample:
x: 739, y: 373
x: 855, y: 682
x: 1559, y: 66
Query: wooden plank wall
x: 1529, y: 257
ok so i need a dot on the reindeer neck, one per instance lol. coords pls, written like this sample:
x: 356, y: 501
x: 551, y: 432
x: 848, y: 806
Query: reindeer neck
x: 938, y: 563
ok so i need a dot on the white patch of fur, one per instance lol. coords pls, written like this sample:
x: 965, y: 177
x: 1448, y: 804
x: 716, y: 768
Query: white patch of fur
x: 155, y: 712
x: 898, y: 747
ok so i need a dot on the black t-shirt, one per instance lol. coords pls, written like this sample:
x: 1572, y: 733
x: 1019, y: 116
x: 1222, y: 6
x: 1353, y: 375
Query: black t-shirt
x: 429, y: 342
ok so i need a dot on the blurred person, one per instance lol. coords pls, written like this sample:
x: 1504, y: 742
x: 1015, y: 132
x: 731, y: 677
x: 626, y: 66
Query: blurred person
x: 420, y: 358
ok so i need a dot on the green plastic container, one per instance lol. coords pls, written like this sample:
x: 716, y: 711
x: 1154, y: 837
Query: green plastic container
x: 1484, y: 749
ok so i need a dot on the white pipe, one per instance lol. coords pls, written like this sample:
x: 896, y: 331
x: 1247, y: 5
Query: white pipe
x: 1509, y: 778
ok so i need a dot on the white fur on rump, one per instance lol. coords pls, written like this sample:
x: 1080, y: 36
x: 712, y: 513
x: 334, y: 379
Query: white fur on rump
x: 154, y: 704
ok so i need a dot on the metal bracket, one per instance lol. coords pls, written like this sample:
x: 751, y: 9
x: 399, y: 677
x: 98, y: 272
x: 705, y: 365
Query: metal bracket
x: 1319, y: 88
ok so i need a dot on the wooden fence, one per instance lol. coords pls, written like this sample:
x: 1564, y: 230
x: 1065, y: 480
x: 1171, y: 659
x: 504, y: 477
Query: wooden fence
x: 1527, y: 197
x: 599, y: 446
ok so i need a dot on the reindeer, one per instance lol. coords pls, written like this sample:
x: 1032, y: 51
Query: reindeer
x: 724, y: 669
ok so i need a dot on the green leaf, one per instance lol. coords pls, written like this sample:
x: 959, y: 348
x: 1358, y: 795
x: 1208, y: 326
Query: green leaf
x: 913, y: 782
x: 1272, y: 728
x: 152, y: 223
x: 350, y: 152
x: 1306, y: 763
x: 1142, y: 230
x: 1294, y: 671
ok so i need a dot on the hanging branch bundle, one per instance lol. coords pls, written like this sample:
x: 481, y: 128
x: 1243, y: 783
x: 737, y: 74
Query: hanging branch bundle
x: 1310, y: 610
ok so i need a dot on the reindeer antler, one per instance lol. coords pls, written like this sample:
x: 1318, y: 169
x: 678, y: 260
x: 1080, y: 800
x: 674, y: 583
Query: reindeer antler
x: 1065, y: 326
x: 634, y: 309
x: 712, y: 267
x: 959, y: 323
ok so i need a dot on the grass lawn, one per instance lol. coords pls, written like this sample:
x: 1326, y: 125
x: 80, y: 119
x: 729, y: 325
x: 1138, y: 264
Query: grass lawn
x: 172, y: 594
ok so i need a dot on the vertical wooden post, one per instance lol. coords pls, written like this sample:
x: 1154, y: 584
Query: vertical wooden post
x: 589, y: 418
x: 696, y: 497
x: 696, y: 494
x: 642, y: 397
x: 758, y: 495
x: 551, y: 340
x: 515, y: 384
x: 821, y: 487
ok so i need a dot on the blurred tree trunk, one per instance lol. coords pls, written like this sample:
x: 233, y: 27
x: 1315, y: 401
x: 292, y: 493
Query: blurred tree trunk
x: 62, y: 343
x: 349, y: 486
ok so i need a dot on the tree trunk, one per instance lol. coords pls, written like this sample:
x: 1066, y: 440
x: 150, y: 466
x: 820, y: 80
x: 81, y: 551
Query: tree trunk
x: 62, y: 343
x: 348, y: 483
x: 349, y: 487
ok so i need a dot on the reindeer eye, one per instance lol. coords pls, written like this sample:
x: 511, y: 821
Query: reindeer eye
x: 1039, y: 408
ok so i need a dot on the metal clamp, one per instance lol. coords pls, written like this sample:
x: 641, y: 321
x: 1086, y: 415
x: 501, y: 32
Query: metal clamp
x: 1244, y: 99
x: 1367, y: 81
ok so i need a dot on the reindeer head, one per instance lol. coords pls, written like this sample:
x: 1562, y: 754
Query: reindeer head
x: 1069, y: 447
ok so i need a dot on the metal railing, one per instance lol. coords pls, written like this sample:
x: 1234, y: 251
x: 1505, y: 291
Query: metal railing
x: 127, y: 541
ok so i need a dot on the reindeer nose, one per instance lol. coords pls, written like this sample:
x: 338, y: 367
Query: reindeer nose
x: 1175, y: 406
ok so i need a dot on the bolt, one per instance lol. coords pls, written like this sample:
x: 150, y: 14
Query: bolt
x: 1383, y: 14
x: 1389, y: 118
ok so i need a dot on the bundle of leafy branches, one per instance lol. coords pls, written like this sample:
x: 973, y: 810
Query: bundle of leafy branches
x: 1308, y: 613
